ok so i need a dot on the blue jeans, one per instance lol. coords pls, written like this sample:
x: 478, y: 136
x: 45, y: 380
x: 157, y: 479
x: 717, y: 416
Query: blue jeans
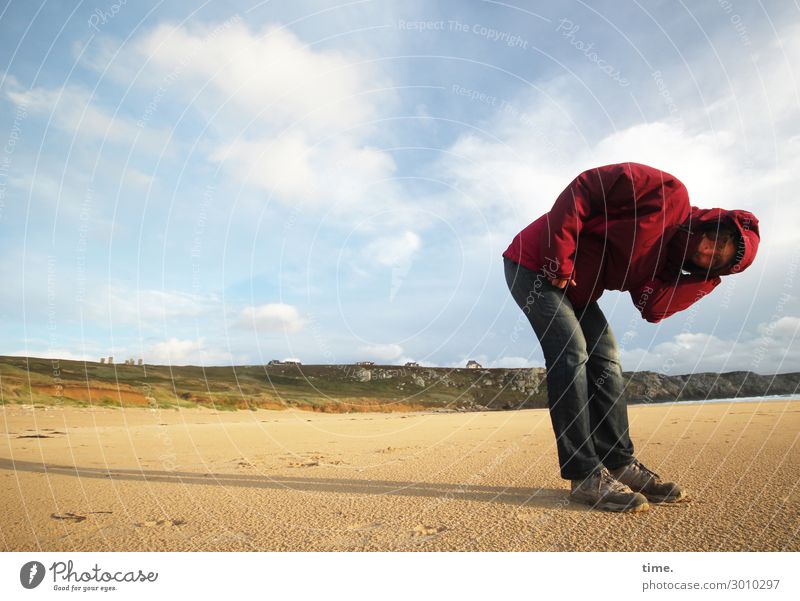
x: 584, y: 375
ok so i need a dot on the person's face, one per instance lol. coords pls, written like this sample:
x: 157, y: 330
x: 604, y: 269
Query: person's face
x: 713, y: 251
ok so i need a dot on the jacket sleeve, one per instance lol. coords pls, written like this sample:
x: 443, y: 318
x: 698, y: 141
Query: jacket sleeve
x: 601, y: 192
x: 657, y: 300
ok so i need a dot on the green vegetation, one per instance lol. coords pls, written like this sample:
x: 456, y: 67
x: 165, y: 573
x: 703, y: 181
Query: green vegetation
x: 326, y: 388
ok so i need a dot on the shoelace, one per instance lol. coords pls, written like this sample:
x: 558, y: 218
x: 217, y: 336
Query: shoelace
x: 642, y: 468
x: 613, y: 483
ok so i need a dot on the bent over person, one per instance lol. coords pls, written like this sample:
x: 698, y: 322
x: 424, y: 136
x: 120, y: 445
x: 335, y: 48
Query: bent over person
x: 618, y: 227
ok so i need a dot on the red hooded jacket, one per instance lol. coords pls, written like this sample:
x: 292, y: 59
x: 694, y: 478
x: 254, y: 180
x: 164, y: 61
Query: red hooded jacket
x: 629, y: 227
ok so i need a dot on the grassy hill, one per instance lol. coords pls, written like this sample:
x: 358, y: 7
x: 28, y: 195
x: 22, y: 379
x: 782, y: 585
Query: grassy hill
x: 329, y: 388
x: 337, y: 388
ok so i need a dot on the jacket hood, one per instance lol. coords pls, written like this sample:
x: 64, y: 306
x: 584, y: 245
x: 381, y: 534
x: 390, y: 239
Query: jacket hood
x: 687, y: 235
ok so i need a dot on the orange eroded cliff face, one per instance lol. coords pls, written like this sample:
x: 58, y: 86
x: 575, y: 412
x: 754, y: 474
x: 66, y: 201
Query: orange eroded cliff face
x: 94, y: 394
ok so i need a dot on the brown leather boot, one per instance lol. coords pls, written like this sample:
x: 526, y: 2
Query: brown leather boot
x: 647, y: 482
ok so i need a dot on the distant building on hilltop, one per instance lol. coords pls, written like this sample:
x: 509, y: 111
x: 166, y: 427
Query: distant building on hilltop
x: 473, y: 365
x: 287, y: 362
x: 365, y: 363
x: 412, y: 364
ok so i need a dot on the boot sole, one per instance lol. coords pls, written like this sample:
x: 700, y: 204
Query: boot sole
x: 661, y: 499
x: 615, y: 507
x: 623, y: 508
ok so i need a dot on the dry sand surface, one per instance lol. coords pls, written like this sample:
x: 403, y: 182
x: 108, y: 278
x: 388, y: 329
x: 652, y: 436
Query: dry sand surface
x: 140, y: 480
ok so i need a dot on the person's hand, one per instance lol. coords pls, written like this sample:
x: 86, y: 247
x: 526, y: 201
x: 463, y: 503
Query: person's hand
x: 562, y: 282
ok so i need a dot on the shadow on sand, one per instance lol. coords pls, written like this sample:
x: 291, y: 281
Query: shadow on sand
x: 545, y: 498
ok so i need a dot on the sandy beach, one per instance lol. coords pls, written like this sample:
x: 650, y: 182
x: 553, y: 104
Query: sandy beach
x: 101, y: 479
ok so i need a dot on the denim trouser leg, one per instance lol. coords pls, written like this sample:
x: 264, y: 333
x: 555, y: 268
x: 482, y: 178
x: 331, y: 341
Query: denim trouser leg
x: 584, y: 378
x: 608, y: 411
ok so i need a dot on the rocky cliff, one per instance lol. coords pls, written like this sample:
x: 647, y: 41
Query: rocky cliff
x: 527, y: 388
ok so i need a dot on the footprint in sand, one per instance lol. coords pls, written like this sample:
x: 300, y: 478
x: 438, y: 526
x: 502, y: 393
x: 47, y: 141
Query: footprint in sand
x: 423, y: 530
x: 358, y: 526
x: 68, y: 517
x: 50, y: 433
x: 157, y: 523
x: 312, y: 459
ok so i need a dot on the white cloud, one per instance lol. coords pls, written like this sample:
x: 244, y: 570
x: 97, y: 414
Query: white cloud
x: 175, y: 351
x: 384, y: 352
x: 282, y: 166
x: 54, y: 353
x: 773, y: 350
x: 75, y: 111
x: 134, y: 177
x: 519, y: 176
x: 705, y: 162
x: 172, y: 351
x: 394, y: 250
x: 119, y: 304
x: 271, y: 73
x: 272, y: 317
x: 301, y: 117
x: 334, y: 175
x: 785, y: 327
x: 515, y: 363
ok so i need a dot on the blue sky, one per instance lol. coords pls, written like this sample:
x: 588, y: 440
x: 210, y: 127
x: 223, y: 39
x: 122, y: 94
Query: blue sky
x: 336, y: 182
